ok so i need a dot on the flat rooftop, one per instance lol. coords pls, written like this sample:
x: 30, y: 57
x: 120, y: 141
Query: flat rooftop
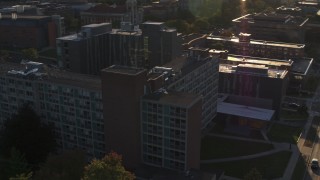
x: 71, y: 37
x: 258, y: 42
x: 245, y: 111
x: 301, y: 66
x: 127, y: 33
x: 74, y: 79
x: 95, y: 25
x: 275, y: 18
x: 271, y: 73
x: 19, y: 16
x: 153, y: 23
x: 258, y: 60
x: 181, y: 99
x: 55, y: 75
x: 123, y: 70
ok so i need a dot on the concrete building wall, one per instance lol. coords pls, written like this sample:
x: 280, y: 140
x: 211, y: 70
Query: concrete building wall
x: 121, y: 92
x: 194, y: 137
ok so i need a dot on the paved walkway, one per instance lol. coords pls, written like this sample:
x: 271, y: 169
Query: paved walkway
x: 278, y: 147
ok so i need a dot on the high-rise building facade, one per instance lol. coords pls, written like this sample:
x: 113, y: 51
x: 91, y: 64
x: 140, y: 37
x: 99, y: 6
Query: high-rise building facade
x: 98, y: 46
x: 171, y: 130
x: 71, y: 102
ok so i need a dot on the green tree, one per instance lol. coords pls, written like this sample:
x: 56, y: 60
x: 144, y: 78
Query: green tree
x: 22, y: 176
x: 26, y: 133
x: 4, y: 54
x: 181, y: 25
x: 30, y: 53
x: 254, y: 174
x: 201, y: 24
x: 67, y: 166
x: 109, y: 168
x: 72, y: 23
x: 17, y: 164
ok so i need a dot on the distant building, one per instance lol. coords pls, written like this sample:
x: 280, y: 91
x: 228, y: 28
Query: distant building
x: 19, y: 31
x: 272, y: 27
x: 163, y: 44
x: 98, y: 46
x: 163, y: 9
x: 246, y: 46
x: 253, y: 77
x: 113, y: 14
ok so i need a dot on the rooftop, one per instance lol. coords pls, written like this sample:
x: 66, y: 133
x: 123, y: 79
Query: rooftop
x: 124, y: 32
x: 52, y: 75
x: 301, y: 66
x: 261, y: 42
x: 95, y: 25
x: 153, y: 23
x: 280, y: 19
x: 25, y: 17
x: 256, y: 70
x: 245, y: 111
x: 258, y: 60
x: 106, y: 9
x: 123, y: 70
x: 72, y: 37
x: 181, y: 99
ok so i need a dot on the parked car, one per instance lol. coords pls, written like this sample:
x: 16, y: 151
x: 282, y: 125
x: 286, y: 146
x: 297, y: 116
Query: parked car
x: 314, y: 163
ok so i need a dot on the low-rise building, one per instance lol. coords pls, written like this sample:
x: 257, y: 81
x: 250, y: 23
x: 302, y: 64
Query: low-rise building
x: 21, y: 31
x: 272, y: 27
x: 114, y: 14
x: 246, y: 46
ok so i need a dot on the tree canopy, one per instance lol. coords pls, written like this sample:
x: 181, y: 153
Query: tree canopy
x: 30, y: 53
x: 25, y: 132
x: 108, y: 168
x: 254, y: 174
x: 66, y: 166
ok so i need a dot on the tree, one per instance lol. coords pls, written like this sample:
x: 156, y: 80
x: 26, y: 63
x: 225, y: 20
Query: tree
x: 4, y: 54
x: 22, y: 176
x: 109, y: 168
x: 201, y: 24
x: 72, y: 23
x: 181, y: 25
x: 67, y: 166
x: 254, y: 174
x: 26, y: 133
x: 17, y: 164
x: 30, y: 53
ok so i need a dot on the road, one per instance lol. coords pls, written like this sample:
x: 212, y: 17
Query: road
x: 313, y: 152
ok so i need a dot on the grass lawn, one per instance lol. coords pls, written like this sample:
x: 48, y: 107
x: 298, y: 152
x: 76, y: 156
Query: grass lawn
x: 286, y: 114
x: 299, y: 170
x: 284, y: 133
x: 219, y: 129
x: 272, y: 166
x: 312, y: 132
x: 216, y: 147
